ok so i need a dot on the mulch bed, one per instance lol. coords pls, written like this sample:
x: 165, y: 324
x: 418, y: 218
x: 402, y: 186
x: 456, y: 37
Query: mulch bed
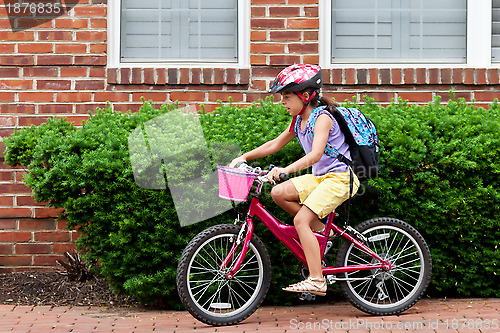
x: 54, y: 289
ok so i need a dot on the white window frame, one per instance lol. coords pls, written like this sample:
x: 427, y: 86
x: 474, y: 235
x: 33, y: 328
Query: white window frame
x: 479, y: 25
x: 114, y: 19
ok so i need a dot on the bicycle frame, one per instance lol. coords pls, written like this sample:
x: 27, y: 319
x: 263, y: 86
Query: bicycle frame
x: 289, y: 237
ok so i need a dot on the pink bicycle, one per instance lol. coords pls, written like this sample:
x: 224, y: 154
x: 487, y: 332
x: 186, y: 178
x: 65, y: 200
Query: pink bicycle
x: 383, y: 266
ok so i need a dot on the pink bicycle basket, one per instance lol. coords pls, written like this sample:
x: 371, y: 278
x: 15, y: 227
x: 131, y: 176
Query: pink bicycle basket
x: 234, y: 184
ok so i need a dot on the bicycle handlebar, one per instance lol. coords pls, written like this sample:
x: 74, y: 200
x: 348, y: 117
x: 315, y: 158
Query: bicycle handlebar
x: 262, y: 174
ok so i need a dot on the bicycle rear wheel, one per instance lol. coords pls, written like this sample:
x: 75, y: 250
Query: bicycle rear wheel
x: 202, y: 286
x: 381, y: 292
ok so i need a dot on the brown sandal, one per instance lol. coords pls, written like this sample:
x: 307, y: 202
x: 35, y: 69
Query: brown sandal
x: 310, y: 285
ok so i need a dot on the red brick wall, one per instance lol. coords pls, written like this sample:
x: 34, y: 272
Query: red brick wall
x: 60, y: 68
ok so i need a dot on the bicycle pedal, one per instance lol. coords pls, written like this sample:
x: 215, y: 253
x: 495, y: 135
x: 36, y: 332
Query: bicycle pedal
x: 307, y: 297
x: 330, y: 279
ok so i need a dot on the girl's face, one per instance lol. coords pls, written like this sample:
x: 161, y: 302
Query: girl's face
x: 292, y: 103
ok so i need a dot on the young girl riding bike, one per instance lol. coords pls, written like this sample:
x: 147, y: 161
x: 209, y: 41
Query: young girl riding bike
x: 313, y: 196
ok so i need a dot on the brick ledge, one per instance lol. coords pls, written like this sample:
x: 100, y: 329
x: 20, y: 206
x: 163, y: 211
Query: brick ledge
x: 162, y: 76
x: 411, y: 76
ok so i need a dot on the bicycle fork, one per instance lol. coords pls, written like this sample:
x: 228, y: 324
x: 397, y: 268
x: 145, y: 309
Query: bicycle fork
x: 234, y: 247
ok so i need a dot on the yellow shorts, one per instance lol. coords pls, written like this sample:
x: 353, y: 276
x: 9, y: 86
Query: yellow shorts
x: 322, y: 194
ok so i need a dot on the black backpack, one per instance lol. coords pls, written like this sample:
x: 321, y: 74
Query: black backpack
x: 361, y: 136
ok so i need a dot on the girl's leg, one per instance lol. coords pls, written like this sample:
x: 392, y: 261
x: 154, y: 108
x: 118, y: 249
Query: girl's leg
x: 303, y: 220
x: 286, y: 196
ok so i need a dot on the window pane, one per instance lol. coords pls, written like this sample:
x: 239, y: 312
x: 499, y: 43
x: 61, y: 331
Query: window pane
x: 179, y: 30
x: 399, y: 30
x: 495, y: 38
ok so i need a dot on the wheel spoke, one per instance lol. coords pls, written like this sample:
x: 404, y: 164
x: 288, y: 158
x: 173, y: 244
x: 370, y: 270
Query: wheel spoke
x: 209, y: 264
x: 392, y: 243
x: 206, y: 288
x: 248, y: 276
x: 361, y: 282
x: 234, y: 299
x: 399, y: 288
x: 396, y: 279
x: 407, y: 274
x: 217, y: 260
x: 242, y: 284
x: 211, y: 258
x: 408, y: 254
x: 230, y: 296
x: 402, y: 251
x: 219, y: 287
x: 410, y: 269
x: 203, y: 282
x: 401, y: 255
x: 367, y: 288
x: 204, y: 270
x: 247, y: 270
x: 247, y: 262
x: 409, y: 262
x: 364, y: 261
x: 203, y: 265
x: 236, y: 294
x: 386, y: 248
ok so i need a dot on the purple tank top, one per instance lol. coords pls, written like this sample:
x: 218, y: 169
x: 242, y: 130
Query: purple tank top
x: 336, y: 140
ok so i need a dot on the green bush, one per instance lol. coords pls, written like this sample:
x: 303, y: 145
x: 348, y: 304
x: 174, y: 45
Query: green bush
x: 440, y: 172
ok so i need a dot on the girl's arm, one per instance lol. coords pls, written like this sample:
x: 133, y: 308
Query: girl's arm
x: 268, y: 148
x: 321, y: 133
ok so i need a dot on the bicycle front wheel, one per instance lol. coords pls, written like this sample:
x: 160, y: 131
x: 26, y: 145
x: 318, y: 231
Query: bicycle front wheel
x: 203, y: 287
x: 382, y: 292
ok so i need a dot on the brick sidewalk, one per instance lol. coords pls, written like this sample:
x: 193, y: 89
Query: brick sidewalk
x: 428, y: 315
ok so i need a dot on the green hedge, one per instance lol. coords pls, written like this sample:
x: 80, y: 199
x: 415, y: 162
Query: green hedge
x: 440, y: 172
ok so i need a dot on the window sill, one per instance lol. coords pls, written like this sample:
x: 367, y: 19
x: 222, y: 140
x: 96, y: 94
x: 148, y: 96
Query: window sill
x: 176, y: 76
x: 411, y: 75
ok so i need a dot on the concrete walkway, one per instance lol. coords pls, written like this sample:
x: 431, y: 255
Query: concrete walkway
x: 428, y: 315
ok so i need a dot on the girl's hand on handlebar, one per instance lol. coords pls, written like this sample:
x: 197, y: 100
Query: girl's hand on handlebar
x: 236, y: 161
x: 275, y: 173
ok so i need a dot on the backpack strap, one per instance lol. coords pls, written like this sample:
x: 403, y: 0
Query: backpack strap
x: 329, y: 149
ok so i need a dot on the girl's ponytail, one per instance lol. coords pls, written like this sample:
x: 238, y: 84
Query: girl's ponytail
x: 321, y: 101
x: 328, y: 102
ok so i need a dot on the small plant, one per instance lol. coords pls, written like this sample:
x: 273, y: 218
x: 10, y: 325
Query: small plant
x: 75, y: 269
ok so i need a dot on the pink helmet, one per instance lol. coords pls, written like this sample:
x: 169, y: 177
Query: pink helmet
x: 297, y: 78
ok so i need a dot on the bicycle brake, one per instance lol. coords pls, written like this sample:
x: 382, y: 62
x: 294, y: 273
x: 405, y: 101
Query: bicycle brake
x: 239, y: 219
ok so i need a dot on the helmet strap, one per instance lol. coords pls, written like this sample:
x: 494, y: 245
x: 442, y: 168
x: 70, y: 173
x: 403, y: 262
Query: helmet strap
x: 306, y: 103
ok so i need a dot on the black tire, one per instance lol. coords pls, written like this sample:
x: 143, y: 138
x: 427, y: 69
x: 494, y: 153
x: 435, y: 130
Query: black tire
x: 202, y: 286
x: 386, y: 292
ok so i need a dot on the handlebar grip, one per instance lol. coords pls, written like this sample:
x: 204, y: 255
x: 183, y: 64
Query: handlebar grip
x: 283, y: 177
x: 239, y: 164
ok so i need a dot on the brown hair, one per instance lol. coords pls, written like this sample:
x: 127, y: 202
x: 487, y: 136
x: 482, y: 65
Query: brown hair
x: 316, y: 101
